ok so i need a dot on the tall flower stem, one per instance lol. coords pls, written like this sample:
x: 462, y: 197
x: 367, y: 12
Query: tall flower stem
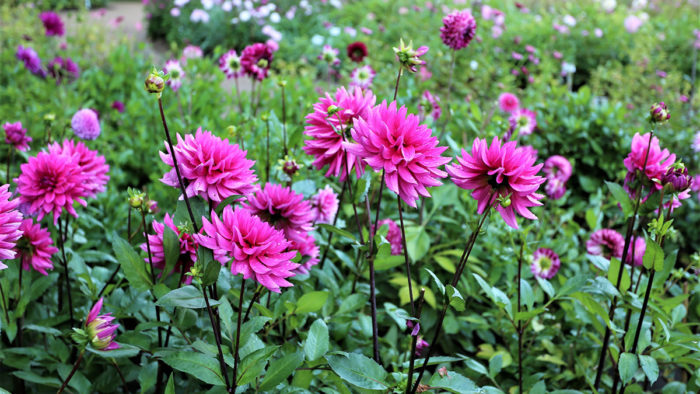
x: 520, y: 323
x: 10, y: 156
x: 72, y: 372
x: 238, y: 94
x: 61, y: 242
x: 628, y: 237
x: 284, y: 120
x: 335, y: 220
x: 405, y: 256
x: 153, y: 276
x: 238, y: 337
x: 414, y: 340
x: 267, y: 150
x: 217, y: 338
x: 370, y: 258
x: 455, y: 279
x: 398, y: 78
x: 177, y: 166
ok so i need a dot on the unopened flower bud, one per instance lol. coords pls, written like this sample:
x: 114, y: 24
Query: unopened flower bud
x: 332, y: 110
x: 155, y: 82
x: 409, y: 57
x: 231, y: 131
x: 50, y: 117
x: 265, y: 116
x: 282, y: 83
x: 659, y: 113
x: 136, y: 200
x: 677, y: 178
x: 152, y: 206
x: 290, y: 166
x: 263, y: 63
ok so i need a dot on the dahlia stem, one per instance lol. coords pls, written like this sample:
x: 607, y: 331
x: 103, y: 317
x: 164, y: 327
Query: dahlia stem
x: 19, y: 284
x: 11, y: 155
x: 267, y: 148
x: 4, y: 304
x: 414, y: 340
x: 252, y: 93
x: 398, y: 78
x: 153, y: 276
x: 128, y: 223
x: 217, y: 338
x: 335, y: 220
x: 61, y: 242
x: 177, y: 166
x: 257, y: 293
x: 284, y: 121
x: 370, y: 258
x: 72, y: 372
x: 257, y: 98
x: 628, y: 237
x: 238, y: 95
x: 455, y: 279
x: 405, y: 256
x: 520, y: 324
x: 238, y: 337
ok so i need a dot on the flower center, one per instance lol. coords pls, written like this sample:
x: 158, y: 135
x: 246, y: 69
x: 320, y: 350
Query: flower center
x: 545, y: 263
x: 175, y: 74
x: 234, y: 63
x: 47, y: 183
x: 262, y: 63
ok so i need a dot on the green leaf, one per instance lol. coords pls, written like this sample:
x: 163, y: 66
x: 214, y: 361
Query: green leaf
x: 359, y: 370
x: 614, y: 270
x: 456, y: 299
x: 446, y: 263
x: 382, y: 263
x: 362, y: 186
x: 437, y: 281
x: 476, y: 112
x: 476, y: 366
x: 170, y: 386
x: 621, y: 197
x: 185, y: 297
x: 133, y: 266
x: 171, y: 248
x: 198, y: 365
x: 316, y: 344
x: 253, y: 365
x: 182, y: 216
x: 311, y: 302
x: 34, y: 378
x: 650, y: 368
x: 495, y: 365
x: 281, y: 369
x: 417, y: 242
x: 336, y: 230
x: 352, y: 302
x: 627, y: 366
x: 546, y: 286
x: 653, y: 256
x: 211, y: 267
x: 453, y: 382
x: 528, y: 296
x: 125, y: 350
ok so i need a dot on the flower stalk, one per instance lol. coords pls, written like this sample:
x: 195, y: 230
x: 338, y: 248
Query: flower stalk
x: 72, y: 372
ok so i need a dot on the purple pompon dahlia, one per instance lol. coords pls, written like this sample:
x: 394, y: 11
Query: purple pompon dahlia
x: 255, y: 249
x: 35, y: 248
x: 85, y: 124
x: 458, y: 29
x: 392, y: 140
x: 100, y: 329
x: 16, y: 135
x: 607, y: 243
x: 214, y: 168
x: 545, y: 263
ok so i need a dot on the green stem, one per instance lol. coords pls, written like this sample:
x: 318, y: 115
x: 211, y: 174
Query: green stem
x: 72, y: 372
x: 238, y: 337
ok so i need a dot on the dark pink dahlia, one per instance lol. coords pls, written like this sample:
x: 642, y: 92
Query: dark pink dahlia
x: 188, y: 248
x: 607, y: 243
x: 458, y: 29
x: 16, y: 135
x: 92, y: 165
x: 35, y: 248
x: 52, y: 23
x: 255, y: 60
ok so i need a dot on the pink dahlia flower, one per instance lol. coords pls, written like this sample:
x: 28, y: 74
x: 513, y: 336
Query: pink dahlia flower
x: 174, y: 70
x: 52, y: 23
x: 16, y: 136
x: 192, y: 52
x: 458, y: 29
x: 188, y: 248
x: 658, y: 161
x: 504, y: 170
x: 557, y: 167
x: 85, y: 124
x: 362, y: 77
x: 430, y: 106
x: 256, y: 59
x: 214, y: 168
x: 92, y: 165
x: 309, y: 252
x: 331, y: 115
x: 607, y: 243
x: 230, y: 64
x: 324, y: 205
x: 393, y: 236
x: 555, y: 188
x: 50, y: 183
x: 10, y: 223
x: 100, y: 328
x: 35, y: 248
x: 389, y: 139
x: 329, y: 55
x: 255, y: 249
x: 62, y: 68
x: 523, y: 121
x: 508, y: 102
x: 640, y: 246
x: 545, y: 263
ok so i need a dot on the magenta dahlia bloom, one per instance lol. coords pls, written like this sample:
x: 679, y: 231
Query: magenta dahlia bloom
x: 118, y: 105
x: 658, y: 161
x: 393, y: 236
x: 640, y: 246
x: 214, y: 168
x: 52, y: 23
x: 31, y: 60
x: 324, y: 205
x: 389, y: 139
x: 362, y: 77
x: 331, y: 115
x: 504, y: 170
x: 85, y: 124
x: 607, y: 243
x: 35, y: 248
x: 309, y: 252
x: 92, y: 166
x: 430, y: 106
x: 188, y: 248
x: 555, y: 188
x: 508, y: 102
x: 254, y: 248
x: 10, y: 223
x: 545, y: 263
x: 50, y: 183
x: 283, y: 208
x: 256, y: 59
x: 557, y: 167
x: 100, y: 328
x: 458, y: 29
x: 230, y: 64
x: 62, y: 68
x: 523, y: 121
x: 174, y: 70
x: 16, y: 135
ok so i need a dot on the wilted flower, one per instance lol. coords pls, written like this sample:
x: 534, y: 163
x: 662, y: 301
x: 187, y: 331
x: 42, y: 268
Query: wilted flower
x: 85, y: 124
x: 508, y: 102
x: 16, y: 136
x: 230, y: 64
x: 324, y: 205
x: 409, y: 57
x: 35, y: 248
x: 458, y: 29
x: 659, y: 113
x: 175, y: 73
x: 362, y: 77
x: 100, y: 329
x: 607, y: 243
x: 52, y: 23
x: 256, y: 59
x: 357, y: 51
x: 545, y: 263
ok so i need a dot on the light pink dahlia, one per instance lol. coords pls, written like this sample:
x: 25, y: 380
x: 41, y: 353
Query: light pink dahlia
x: 174, y: 70
x: 326, y: 145
x: 557, y: 167
x: 504, y: 170
x: 256, y: 59
x: 658, y: 161
x: 254, y: 248
x: 192, y: 52
x: 10, y: 223
x: 458, y: 29
x: 555, y: 188
x: 16, y: 135
x: 230, y: 64
x: 100, y: 329
x: 214, y: 168
x: 85, y: 124
x: 508, y: 102
x: 324, y: 205
x: 362, y: 77
x: 640, y: 246
x: 607, y: 243
x: 329, y: 55
x: 188, y: 248
x: 50, y: 183
x: 393, y: 236
x: 389, y: 139
x: 545, y: 263
x: 35, y: 248
x: 523, y: 121
x: 92, y: 165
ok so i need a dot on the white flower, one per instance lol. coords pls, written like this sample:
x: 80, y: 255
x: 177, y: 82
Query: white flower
x: 608, y: 5
x: 473, y: 65
x: 272, y: 33
x: 207, y: 4
x: 175, y: 12
x: 569, y: 20
x: 227, y: 6
x: 334, y: 31
x: 567, y: 68
x: 291, y: 12
x: 275, y: 17
x: 317, y: 39
x: 198, y: 15
x: 244, y: 16
x: 180, y: 3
